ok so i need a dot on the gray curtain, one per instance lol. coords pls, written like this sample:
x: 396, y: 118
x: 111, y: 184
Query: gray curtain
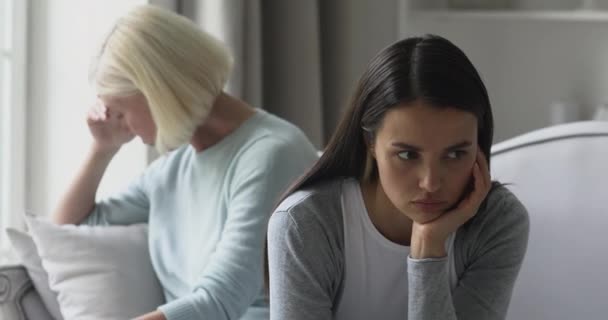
x: 298, y: 59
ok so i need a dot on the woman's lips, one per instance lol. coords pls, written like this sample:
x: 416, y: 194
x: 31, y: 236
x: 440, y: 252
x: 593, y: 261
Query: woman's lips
x: 429, y: 205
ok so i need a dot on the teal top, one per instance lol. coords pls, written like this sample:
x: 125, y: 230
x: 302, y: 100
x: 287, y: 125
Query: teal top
x: 207, y: 214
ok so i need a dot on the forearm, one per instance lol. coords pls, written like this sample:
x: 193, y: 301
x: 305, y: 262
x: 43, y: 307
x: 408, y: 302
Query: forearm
x: 156, y: 315
x: 428, y: 277
x: 429, y: 286
x: 79, y: 200
x: 425, y: 245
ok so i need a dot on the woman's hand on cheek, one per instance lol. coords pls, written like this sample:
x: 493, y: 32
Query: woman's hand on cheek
x: 428, y: 239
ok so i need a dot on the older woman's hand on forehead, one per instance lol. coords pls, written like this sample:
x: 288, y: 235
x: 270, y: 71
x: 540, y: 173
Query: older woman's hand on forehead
x: 428, y: 239
x: 108, y: 129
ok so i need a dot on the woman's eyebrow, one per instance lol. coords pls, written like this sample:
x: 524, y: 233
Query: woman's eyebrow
x: 460, y: 145
x: 408, y: 146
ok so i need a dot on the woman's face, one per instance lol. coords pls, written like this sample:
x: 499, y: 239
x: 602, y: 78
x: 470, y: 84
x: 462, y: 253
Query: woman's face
x: 425, y: 157
x: 135, y: 111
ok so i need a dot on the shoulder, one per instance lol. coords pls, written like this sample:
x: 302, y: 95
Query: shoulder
x: 306, y: 229
x: 269, y: 139
x: 167, y: 164
x: 319, y: 205
x: 270, y: 123
x: 313, y: 215
x: 501, y: 224
x: 501, y: 209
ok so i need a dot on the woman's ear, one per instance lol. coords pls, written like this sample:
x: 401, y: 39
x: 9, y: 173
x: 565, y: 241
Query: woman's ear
x: 369, y: 144
x: 369, y: 171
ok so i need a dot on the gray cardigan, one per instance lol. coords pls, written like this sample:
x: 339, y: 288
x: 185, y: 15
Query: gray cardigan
x: 306, y: 260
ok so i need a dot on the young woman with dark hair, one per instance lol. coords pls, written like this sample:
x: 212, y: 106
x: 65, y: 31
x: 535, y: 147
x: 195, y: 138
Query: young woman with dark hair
x: 399, y: 219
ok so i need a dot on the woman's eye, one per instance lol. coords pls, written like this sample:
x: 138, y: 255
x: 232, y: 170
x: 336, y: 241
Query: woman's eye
x: 457, y: 154
x: 407, y: 155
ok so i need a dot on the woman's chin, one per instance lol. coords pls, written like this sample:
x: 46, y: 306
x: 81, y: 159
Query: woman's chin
x: 425, y: 216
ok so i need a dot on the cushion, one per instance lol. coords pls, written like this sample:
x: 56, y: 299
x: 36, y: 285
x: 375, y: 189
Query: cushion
x: 98, y: 272
x: 26, y: 251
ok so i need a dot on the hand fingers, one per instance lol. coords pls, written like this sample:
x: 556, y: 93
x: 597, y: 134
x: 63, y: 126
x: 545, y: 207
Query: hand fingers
x: 98, y: 112
x: 455, y: 218
x: 468, y: 207
x: 102, y: 111
x: 485, y: 170
x: 481, y: 185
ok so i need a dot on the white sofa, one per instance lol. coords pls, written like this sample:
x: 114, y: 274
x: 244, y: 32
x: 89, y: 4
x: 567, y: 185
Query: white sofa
x: 18, y: 298
x: 560, y: 173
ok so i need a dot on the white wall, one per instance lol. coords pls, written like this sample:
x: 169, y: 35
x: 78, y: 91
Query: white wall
x: 63, y: 35
x: 528, y: 64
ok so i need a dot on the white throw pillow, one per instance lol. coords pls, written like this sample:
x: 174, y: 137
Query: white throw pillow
x: 28, y: 254
x: 99, y: 272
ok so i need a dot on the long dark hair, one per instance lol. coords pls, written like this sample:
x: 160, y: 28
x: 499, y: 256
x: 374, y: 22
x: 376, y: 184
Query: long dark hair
x: 428, y: 68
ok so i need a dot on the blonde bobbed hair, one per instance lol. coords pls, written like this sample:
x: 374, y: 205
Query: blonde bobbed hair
x: 178, y: 68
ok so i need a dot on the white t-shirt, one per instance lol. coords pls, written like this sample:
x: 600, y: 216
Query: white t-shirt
x: 375, y: 271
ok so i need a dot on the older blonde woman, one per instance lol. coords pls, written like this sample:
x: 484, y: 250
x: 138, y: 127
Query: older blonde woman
x: 208, y: 199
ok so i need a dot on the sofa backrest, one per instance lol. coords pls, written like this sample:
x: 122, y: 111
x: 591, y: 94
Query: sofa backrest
x: 18, y: 298
x: 560, y: 174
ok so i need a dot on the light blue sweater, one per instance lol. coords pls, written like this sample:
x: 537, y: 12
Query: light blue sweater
x: 208, y: 213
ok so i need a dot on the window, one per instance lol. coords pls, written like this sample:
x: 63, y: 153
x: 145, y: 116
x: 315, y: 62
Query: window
x: 12, y: 117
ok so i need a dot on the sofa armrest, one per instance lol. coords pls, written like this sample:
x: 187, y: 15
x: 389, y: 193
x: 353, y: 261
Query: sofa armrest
x: 18, y: 298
